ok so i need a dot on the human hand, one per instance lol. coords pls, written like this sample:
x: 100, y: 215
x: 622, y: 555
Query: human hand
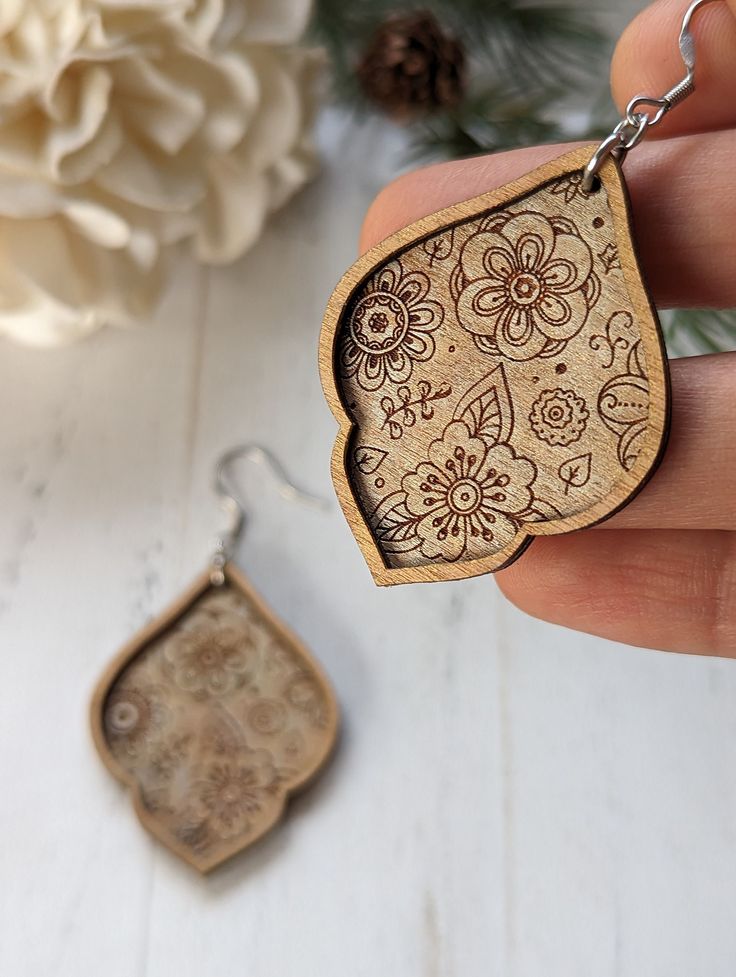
x: 662, y: 572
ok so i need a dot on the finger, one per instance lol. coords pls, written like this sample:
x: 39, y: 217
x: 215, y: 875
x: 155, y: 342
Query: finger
x: 683, y: 195
x: 695, y: 486
x: 647, y: 61
x: 664, y: 589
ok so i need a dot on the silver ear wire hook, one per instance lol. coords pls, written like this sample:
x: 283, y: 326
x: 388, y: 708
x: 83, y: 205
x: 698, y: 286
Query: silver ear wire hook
x: 229, y: 501
x: 635, y: 124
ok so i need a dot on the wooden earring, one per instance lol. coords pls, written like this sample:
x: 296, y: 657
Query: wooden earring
x: 215, y: 713
x: 497, y: 369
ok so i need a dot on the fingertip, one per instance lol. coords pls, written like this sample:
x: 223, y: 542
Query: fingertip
x: 543, y: 579
x: 647, y: 61
x: 387, y: 211
x: 430, y: 189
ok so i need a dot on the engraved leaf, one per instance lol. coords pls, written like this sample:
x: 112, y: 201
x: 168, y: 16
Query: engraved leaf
x: 486, y: 408
x: 395, y: 526
x: 439, y: 247
x: 368, y: 459
x: 575, y: 472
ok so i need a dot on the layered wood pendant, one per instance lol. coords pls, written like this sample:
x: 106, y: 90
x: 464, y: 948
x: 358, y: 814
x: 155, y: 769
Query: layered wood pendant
x: 213, y: 716
x: 498, y: 373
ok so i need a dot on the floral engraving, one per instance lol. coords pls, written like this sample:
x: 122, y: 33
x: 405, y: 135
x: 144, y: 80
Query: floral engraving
x: 390, y: 328
x: 131, y: 714
x: 533, y: 354
x: 524, y: 286
x: 209, y: 661
x: 569, y: 186
x: 487, y: 408
x: 623, y: 404
x: 234, y: 790
x: 467, y: 495
x: 304, y: 694
x: 268, y: 716
x: 214, y: 741
x: 471, y: 492
x: 558, y: 416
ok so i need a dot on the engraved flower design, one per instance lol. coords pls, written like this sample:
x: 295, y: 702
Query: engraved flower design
x: 467, y: 495
x: 390, y: 328
x: 130, y: 714
x: 234, y: 790
x: 559, y: 417
x: 569, y: 186
x: 523, y: 286
x: 304, y: 693
x: 212, y: 659
x: 267, y: 716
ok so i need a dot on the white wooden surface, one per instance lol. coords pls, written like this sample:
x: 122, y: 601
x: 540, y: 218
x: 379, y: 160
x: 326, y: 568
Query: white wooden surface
x: 509, y: 798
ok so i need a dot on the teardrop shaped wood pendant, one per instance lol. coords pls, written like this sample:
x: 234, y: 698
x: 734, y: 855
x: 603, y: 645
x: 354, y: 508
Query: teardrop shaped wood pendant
x: 498, y: 373
x: 213, y: 716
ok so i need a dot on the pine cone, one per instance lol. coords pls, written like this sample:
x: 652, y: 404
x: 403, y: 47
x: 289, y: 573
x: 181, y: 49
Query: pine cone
x: 412, y: 67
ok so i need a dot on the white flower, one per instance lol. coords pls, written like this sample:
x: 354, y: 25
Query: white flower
x: 127, y: 125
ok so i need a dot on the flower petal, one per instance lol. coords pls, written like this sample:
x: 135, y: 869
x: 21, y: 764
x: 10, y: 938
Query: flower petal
x: 388, y: 278
x: 572, y: 250
x: 532, y: 239
x: 426, y: 489
x: 473, y: 317
x: 426, y: 317
x: 517, y: 337
x: 500, y: 263
x: 418, y: 345
x: 443, y: 535
x: 457, y: 452
x: 398, y: 365
x: 372, y: 372
x: 413, y: 288
x: 561, y: 318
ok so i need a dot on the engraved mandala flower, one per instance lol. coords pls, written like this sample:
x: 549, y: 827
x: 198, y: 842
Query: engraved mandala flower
x: 467, y: 495
x: 210, y: 660
x: 234, y: 790
x: 267, y: 716
x: 559, y: 417
x: 131, y: 714
x: 128, y: 714
x: 524, y: 286
x: 390, y: 328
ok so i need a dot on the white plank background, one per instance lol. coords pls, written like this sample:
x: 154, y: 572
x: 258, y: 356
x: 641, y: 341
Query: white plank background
x: 509, y: 798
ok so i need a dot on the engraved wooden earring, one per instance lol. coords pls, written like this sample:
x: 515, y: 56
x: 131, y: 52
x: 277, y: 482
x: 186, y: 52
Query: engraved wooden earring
x: 497, y: 369
x: 214, y: 714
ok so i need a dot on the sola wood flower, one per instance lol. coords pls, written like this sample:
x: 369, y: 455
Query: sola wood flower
x: 127, y: 126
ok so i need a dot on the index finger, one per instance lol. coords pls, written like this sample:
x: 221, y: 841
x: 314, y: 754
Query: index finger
x: 647, y: 61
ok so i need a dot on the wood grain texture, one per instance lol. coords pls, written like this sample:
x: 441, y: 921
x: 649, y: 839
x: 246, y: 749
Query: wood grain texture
x: 213, y: 716
x: 498, y: 373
